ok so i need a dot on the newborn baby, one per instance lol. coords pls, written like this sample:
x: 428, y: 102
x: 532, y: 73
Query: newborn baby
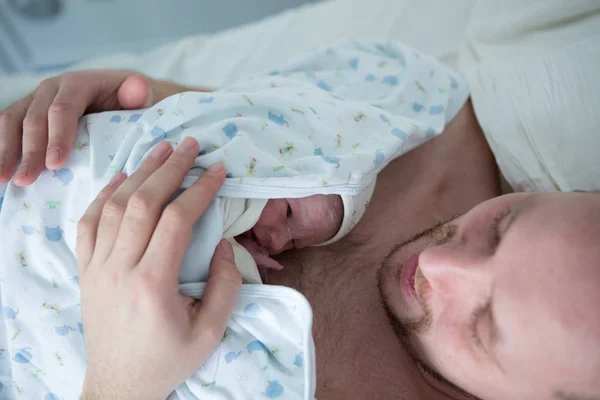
x: 261, y: 228
x: 292, y: 223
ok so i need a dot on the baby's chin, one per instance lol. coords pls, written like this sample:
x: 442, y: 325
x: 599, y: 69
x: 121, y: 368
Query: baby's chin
x: 258, y: 253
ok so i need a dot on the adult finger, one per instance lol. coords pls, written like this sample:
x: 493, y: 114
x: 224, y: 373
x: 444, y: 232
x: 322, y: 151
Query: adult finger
x: 172, y: 235
x: 117, y: 204
x: 35, y: 133
x: 218, y: 300
x: 11, y: 131
x: 145, y: 205
x: 87, y: 226
x: 136, y: 92
x: 69, y: 104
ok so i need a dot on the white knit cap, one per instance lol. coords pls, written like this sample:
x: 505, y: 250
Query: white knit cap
x: 354, y: 208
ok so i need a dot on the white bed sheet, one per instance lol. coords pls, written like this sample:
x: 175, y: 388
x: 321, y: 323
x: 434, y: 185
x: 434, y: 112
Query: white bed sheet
x: 435, y: 27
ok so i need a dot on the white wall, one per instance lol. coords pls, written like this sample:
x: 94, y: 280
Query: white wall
x: 86, y: 28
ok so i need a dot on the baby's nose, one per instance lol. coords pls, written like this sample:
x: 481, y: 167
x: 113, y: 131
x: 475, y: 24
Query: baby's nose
x: 280, y: 241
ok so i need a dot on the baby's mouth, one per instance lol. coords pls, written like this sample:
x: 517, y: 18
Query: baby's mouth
x: 250, y: 234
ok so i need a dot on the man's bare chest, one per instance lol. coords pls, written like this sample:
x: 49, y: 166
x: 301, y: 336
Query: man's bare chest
x: 358, y: 355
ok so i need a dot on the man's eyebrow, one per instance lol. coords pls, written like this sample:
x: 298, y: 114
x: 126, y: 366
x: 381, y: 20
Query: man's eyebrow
x: 511, y: 214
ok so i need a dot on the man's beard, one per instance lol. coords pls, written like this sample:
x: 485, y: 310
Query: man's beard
x: 406, y: 329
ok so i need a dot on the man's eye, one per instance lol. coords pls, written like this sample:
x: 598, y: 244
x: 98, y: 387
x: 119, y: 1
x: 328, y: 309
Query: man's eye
x: 494, y: 232
x: 289, y: 211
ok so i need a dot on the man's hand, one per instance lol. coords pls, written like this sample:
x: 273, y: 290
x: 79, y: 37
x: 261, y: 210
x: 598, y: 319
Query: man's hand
x: 42, y: 126
x: 142, y: 337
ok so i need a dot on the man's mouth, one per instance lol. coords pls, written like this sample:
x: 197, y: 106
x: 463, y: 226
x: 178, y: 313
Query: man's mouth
x: 407, y: 275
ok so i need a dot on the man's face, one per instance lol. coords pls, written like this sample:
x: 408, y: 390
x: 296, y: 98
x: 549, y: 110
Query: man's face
x: 504, y: 301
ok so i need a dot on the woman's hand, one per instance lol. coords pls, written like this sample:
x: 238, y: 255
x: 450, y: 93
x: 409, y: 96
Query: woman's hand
x: 142, y: 337
x: 42, y: 126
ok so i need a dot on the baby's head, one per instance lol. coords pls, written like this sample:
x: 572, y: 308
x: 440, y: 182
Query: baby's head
x: 296, y: 223
x: 300, y: 222
x: 292, y: 223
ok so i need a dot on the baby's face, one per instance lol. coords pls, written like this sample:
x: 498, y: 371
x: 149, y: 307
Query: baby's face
x: 295, y: 223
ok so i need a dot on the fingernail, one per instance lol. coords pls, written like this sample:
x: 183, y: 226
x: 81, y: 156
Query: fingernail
x: 186, y: 145
x: 226, y: 250
x: 149, y: 100
x: 215, y: 169
x: 23, y: 171
x: 52, y: 156
x: 116, y: 179
x: 160, y: 150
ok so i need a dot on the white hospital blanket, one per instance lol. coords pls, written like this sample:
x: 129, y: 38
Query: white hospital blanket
x: 394, y: 99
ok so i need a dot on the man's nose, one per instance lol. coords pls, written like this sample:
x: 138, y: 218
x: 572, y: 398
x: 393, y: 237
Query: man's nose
x: 453, y: 272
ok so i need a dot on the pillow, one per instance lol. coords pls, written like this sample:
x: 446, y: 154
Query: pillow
x: 533, y: 70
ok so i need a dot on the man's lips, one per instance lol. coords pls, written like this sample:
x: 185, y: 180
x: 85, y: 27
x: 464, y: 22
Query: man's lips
x: 407, y: 276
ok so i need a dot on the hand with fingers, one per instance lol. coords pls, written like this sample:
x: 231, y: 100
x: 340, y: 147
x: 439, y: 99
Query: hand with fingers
x: 42, y: 126
x: 142, y: 337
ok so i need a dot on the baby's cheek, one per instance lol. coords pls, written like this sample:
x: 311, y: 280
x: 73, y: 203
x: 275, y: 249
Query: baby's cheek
x: 320, y: 229
x: 335, y: 215
x: 337, y: 212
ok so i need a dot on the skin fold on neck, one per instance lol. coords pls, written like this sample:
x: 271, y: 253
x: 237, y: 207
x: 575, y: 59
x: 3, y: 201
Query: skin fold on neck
x: 358, y: 355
